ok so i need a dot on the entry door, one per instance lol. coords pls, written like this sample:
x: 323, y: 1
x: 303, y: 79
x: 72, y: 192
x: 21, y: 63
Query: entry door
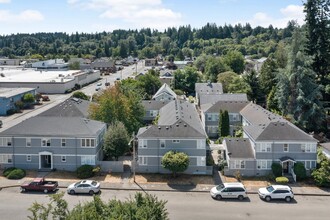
x: 285, y: 167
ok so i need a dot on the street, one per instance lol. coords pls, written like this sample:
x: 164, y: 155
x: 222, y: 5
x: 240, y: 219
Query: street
x: 183, y: 205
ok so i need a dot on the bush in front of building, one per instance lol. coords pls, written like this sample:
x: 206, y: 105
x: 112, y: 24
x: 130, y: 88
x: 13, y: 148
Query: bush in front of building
x: 277, y: 169
x: 300, y: 170
x: 14, y: 173
x: 85, y: 171
x: 282, y: 180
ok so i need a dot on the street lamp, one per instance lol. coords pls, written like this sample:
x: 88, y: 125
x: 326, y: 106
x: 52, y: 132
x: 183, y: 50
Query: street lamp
x: 134, y: 138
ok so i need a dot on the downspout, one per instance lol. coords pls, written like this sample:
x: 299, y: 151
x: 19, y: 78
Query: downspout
x: 76, y: 153
x: 14, y: 158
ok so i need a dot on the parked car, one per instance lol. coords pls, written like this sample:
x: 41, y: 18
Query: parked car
x: 229, y: 190
x: 97, y: 88
x: 39, y: 184
x: 99, y: 84
x: 85, y: 186
x: 276, y: 192
x: 118, y: 78
x: 107, y: 84
x: 45, y: 98
x: 0, y: 124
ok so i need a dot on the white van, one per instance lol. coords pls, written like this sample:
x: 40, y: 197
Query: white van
x: 229, y: 190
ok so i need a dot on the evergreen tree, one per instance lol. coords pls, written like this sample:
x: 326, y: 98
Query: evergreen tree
x: 224, y: 127
x: 297, y: 93
x: 252, y: 80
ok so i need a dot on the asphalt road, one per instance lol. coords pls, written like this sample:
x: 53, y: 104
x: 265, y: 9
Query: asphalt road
x: 184, y: 205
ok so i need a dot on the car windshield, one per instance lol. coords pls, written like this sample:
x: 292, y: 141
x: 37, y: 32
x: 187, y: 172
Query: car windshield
x: 94, y: 183
x: 270, y: 189
x: 77, y: 184
x: 220, y: 187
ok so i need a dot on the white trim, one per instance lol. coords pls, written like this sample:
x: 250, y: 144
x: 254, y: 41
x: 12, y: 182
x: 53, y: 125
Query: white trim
x: 29, y: 158
x: 63, y: 157
x: 46, y: 153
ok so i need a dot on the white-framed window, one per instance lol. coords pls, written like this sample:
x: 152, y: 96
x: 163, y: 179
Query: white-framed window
x: 201, y: 144
x: 28, y: 158
x: 234, y: 117
x: 6, y: 158
x: 63, y: 142
x: 212, y: 116
x: 309, y: 164
x: 87, y: 142
x: 143, y: 160
x: 175, y: 141
x: 28, y: 142
x: 285, y: 148
x: 88, y: 159
x: 162, y: 144
x: 201, y: 161
x: 5, y: 142
x: 212, y: 129
x: 142, y: 143
x: 264, y: 164
x: 308, y: 148
x: 63, y: 159
x: 263, y: 147
x: 45, y: 142
x: 237, y: 164
x: 153, y: 112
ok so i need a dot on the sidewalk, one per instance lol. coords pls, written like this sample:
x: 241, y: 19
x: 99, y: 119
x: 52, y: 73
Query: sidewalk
x: 149, y: 187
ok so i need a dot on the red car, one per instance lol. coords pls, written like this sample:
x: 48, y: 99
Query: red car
x: 39, y: 184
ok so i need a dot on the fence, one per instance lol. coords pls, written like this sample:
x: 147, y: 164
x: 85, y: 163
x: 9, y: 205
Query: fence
x: 112, y: 166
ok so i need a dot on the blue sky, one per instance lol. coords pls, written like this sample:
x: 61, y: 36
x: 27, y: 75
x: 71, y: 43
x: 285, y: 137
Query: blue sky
x: 31, y: 16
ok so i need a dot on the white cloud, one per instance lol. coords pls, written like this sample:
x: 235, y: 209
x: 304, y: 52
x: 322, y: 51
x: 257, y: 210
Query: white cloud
x: 291, y: 12
x: 23, y: 17
x: 5, y: 1
x: 134, y: 14
x: 73, y: 1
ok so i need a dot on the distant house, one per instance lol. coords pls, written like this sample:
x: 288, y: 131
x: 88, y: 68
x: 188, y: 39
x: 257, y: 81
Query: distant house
x: 182, y: 64
x: 84, y: 64
x: 9, y: 97
x: 60, y: 138
x: 10, y: 62
x: 150, y: 62
x: 105, y: 65
x: 210, y: 116
x: 180, y: 129
x: 166, y: 77
x: 326, y: 149
x: 273, y: 140
x: 152, y: 108
x: 164, y: 93
x: 51, y: 65
x: 207, y: 89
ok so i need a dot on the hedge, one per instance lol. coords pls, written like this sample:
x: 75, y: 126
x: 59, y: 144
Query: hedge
x: 16, y: 174
x: 281, y: 179
x: 85, y: 171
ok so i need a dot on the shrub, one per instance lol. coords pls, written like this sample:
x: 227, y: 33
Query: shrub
x: 238, y: 175
x: 97, y: 170
x: 277, y: 169
x: 16, y: 174
x: 282, y: 179
x: 8, y: 170
x: 270, y: 177
x: 222, y: 164
x: 300, y: 170
x: 85, y: 171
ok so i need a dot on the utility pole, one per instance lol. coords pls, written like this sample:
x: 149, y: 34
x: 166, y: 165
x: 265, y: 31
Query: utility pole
x: 134, y: 160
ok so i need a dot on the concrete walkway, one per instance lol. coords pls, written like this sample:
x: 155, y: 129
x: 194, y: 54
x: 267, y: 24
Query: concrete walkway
x: 202, y: 188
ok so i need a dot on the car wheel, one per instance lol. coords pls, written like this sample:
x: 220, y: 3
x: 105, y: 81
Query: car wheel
x: 288, y: 199
x: 91, y: 192
x: 218, y: 197
x: 45, y: 190
x: 267, y: 198
x: 72, y: 192
x: 240, y: 197
x: 23, y: 190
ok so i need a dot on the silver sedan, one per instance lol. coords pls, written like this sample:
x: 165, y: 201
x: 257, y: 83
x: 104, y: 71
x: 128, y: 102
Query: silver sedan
x: 85, y: 186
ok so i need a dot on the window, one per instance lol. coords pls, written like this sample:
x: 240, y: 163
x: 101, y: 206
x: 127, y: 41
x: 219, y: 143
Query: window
x: 237, y: 164
x: 5, y: 142
x: 212, y: 116
x: 63, y: 142
x: 200, y: 161
x: 263, y: 147
x: 90, y: 160
x: 200, y: 144
x: 143, y: 160
x: 153, y: 112
x: 28, y: 142
x: 142, y: 143
x: 88, y: 142
x: 309, y: 164
x: 6, y: 158
x: 175, y: 141
x: 162, y: 143
x: 286, y: 148
x: 63, y: 159
x: 212, y: 129
x: 45, y: 142
x: 264, y: 164
x: 28, y: 158
x: 308, y: 148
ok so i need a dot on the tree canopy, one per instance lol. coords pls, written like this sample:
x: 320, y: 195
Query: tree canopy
x: 175, y: 161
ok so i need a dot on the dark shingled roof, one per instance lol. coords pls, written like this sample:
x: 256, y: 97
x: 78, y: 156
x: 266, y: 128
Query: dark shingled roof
x: 208, y: 88
x: 230, y: 106
x: 56, y: 126
x: 239, y: 148
x: 153, y: 104
x: 255, y: 114
x: 72, y: 107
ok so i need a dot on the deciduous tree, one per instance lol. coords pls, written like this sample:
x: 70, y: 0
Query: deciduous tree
x: 175, y: 162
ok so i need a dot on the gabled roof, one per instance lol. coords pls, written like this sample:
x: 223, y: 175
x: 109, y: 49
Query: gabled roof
x: 164, y: 89
x: 230, y: 106
x: 180, y: 118
x: 153, y: 104
x: 208, y: 88
x: 213, y: 98
x: 277, y: 131
x: 56, y: 126
x: 239, y: 148
x: 255, y: 114
x: 72, y: 107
